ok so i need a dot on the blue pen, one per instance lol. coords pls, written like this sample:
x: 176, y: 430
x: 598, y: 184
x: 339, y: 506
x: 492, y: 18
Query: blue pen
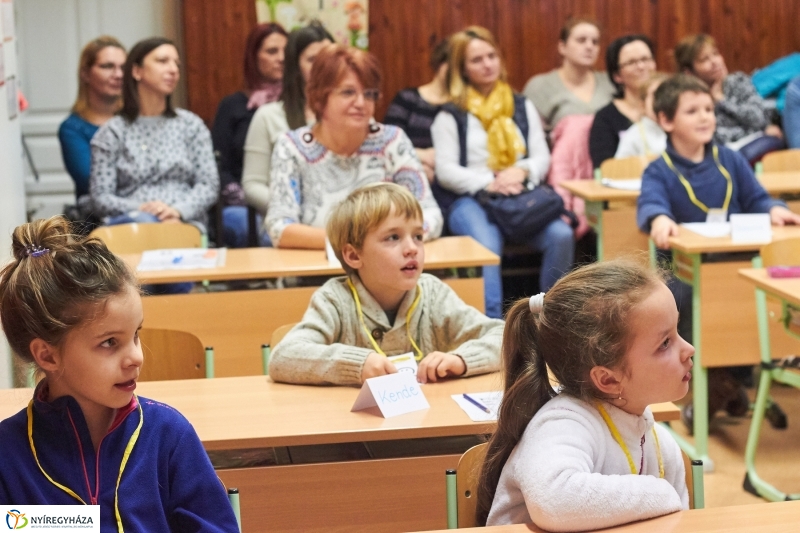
x: 476, y: 403
x: 177, y: 260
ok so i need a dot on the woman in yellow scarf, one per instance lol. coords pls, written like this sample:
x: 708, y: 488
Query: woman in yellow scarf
x: 489, y: 138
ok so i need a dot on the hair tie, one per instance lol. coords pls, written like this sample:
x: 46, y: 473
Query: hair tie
x: 35, y: 250
x: 536, y: 303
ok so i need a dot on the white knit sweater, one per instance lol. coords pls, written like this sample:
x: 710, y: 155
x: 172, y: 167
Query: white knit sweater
x: 567, y: 473
x: 329, y: 346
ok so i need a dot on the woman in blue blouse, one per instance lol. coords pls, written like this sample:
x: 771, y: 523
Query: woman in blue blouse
x: 99, y: 99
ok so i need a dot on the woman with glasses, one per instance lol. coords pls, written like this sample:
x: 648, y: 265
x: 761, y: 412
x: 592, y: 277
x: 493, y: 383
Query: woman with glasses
x: 99, y: 99
x: 630, y: 63
x: 315, y: 167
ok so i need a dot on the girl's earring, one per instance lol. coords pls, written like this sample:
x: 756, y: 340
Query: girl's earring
x: 619, y: 397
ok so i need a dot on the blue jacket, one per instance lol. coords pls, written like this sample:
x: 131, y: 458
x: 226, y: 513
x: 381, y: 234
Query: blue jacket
x: 75, y: 135
x: 168, y: 483
x: 663, y: 194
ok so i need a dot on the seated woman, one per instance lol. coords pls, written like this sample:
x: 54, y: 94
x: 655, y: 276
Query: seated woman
x: 99, y: 99
x: 273, y: 120
x: 791, y: 113
x: 504, y: 151
x: 414, y: 109
x: 567, y: 99
x: 263, y: 79
x: 743, y: 118
x: 313, y: 168
x: 630, y: 62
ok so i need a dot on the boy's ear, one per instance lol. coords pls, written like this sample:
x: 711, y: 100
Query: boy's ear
x: 45, y: 355
x: 666, y: 124
x: 352, y: 257
x: 607, y: 381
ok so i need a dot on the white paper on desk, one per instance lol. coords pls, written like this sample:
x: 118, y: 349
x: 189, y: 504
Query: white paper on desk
x: 623, y: 185
x: 490, y: 399
x: 709, y: 229
x: 182, y: 259
x: 755, y: 227
x: 393, y: 394
x: 404, y: 362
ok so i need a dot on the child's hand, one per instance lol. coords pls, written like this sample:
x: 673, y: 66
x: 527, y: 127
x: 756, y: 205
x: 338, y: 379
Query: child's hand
x: 781, y: 216
x: 437, y: 365
x: 376, y: 365
x: 661, y: 229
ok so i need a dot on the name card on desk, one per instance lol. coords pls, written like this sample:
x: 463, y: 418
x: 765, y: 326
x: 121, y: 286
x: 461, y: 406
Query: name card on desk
x: 751, y: 228
x: 392, y: 394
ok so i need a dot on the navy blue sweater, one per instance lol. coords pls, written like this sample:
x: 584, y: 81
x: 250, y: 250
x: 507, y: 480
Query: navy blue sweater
x: 168, y: 483
x: 663, y: 194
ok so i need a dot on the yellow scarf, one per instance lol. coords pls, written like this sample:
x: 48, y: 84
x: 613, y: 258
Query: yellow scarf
x: 495, y: 112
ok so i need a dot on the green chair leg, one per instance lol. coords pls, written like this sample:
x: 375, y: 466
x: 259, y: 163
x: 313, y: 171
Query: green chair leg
x: 209, y: 362
x: 265, y: 358
x: 452, y: 501
x: 233, y: 497
x: 698, y: 486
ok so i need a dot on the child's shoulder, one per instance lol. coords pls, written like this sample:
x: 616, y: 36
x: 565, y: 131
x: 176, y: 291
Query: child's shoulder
x: 160, y: 415
x: 565, y: 408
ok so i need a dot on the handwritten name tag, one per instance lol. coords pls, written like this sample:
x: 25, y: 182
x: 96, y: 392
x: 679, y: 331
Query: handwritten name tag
x: 392, y: 394
x: 751, y: 228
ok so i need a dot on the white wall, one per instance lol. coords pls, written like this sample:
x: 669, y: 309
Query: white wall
x: 12, y: 199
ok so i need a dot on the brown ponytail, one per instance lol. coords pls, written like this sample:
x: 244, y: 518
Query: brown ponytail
x: 582, y: 324
x: 44, y: 291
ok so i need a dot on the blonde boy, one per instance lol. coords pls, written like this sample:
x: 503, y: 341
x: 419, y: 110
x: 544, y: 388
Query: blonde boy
x: 385, y: 305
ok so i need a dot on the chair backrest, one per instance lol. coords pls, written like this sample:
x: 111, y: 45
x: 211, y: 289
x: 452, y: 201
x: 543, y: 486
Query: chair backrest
x: 624, y: 168
x: 781, y: 161
x: 280, y: 333
x: 172, y: 354
x: 782, y: 252
x: 462, y: 492
x: 136, y: 238
x: 694, y: 481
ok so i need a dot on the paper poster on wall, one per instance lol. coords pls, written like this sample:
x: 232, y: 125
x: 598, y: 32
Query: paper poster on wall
x: 2, y: 66
x: 7, y: 19
x: 11, y: 97
x: 346, y: 20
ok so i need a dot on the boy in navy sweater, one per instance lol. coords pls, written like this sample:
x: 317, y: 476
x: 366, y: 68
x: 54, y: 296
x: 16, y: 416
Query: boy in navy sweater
x: 696, y: 180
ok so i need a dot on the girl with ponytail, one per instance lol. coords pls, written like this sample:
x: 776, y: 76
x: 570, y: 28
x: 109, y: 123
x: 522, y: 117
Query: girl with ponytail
x: 586, y: 454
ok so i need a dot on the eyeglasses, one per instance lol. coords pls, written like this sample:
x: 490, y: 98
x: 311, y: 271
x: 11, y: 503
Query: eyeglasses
x: 642, y: 61
x: 350, y: 93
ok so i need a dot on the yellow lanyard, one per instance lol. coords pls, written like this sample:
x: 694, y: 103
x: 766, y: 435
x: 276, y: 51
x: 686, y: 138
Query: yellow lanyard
x: 413, y: 306
x: 688, y: 186
x: 125, y: 456
x: 647, y: 151
x: 617, y: 437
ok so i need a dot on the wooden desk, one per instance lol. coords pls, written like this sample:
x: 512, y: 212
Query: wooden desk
x: 724, y: 326
x: 366, y: 495
x: 612, y: 212
x: 780, y: 517
x: 264, y: 263
x: 237, y: 323
x: 612, y: 215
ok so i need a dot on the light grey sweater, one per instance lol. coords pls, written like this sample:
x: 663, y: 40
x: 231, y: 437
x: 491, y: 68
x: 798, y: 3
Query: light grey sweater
x: 567, y: 473
x: 329, y: 346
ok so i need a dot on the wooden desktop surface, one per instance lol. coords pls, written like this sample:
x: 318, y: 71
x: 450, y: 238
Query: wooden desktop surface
x: 593, y: 191
x: 785, y: 288
x: 261, y: 263
x: 693, y: 243
x: 780, y: 517
x: 254, y: 412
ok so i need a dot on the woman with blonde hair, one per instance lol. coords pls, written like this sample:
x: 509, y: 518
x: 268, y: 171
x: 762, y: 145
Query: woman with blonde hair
x: 490, y: 139
x: 99, y: 99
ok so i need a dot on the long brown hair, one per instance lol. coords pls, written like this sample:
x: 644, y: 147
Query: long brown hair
x: 55, y: 275
x: 88, y: 59
x: 582, y: 324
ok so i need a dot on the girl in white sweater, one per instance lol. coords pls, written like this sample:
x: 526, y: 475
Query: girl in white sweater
x: 588, y: 456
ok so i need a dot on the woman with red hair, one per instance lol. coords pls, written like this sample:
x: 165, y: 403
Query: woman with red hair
x: 315, y: 167
x: 263, y: 81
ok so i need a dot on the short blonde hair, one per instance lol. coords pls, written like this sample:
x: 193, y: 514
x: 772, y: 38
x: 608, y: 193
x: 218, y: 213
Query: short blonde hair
x: 655, y: 77
x: 365, y: 209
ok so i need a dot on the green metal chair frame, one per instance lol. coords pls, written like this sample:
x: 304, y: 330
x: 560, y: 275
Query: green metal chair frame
x: 233, y: 497
x: 461, y: 490
x: 769, y: 372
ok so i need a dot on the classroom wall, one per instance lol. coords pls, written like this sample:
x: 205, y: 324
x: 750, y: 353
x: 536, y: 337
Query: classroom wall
x: 751, y: 33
